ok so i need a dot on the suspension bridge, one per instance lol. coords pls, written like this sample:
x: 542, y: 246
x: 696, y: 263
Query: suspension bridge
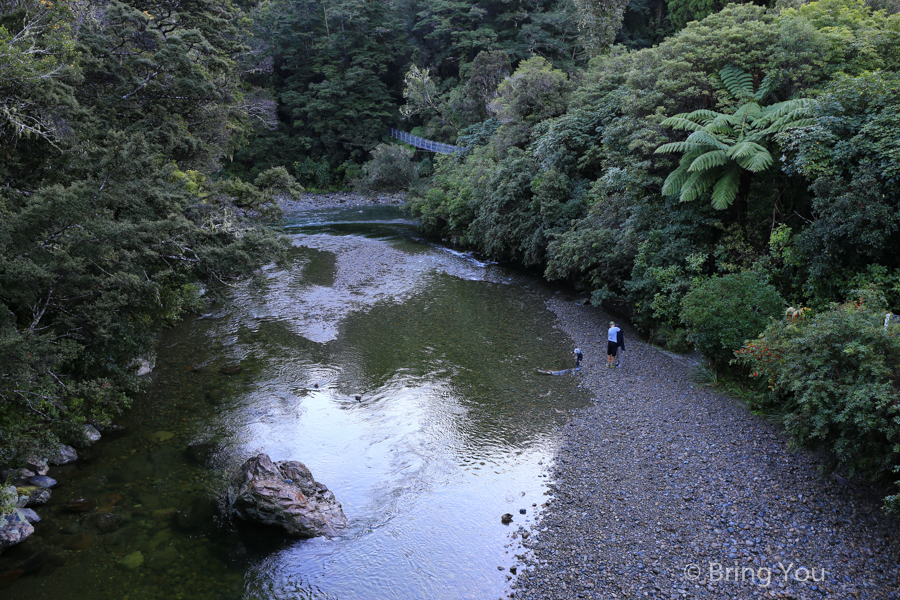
x: 414, y: 140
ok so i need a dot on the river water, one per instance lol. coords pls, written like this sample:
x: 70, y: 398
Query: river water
x: 403, y: 374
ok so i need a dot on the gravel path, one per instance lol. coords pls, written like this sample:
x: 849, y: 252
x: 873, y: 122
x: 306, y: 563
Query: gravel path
x: 665, y: 489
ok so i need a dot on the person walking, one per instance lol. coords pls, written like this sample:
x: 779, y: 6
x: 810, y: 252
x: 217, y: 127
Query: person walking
x: 578, y: 358
x: 612, y: 344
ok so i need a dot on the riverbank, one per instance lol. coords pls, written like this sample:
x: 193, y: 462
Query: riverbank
x: 665, y: 489
x: 312, y: 201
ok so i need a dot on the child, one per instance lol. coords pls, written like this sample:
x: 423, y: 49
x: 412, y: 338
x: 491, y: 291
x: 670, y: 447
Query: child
x: 578, y: 358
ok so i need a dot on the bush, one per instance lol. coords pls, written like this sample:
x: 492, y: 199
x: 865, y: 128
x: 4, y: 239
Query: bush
x: 391, y: 168
x: 834, y: 379
x: 722, y: 312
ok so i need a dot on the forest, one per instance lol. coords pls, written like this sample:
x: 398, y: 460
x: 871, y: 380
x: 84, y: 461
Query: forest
x: 723, y: 174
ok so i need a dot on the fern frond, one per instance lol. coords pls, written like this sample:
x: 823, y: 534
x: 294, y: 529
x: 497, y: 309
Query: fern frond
x: 726, y: 189
x: 745, y: 149
x: 738, y: 82
x: 705, y: 138
x: 673, y: 147
x: 791, y: 120
x: 680, y: 122
x: 759, y: 161
x: 698, y: 183
x: 708, y: 160
x: 675, y: 181
x: 780, y: 109
x: 765, y: 88
x: 700, y: 115
x: 749, y: 112
x: 722, y: 124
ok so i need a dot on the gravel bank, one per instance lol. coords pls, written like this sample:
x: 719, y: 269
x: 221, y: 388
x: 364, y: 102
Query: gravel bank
x: 310, y: 202
x: 665, y: 489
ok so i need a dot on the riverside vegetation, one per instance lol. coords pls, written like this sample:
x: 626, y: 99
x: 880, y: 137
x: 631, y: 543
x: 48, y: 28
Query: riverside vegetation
x: 702, y: 166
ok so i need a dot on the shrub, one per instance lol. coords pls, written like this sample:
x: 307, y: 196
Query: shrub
x: 834, y: 379
x: 722, y: 312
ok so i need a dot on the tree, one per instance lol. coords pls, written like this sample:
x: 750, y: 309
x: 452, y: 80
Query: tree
x: 536, y: 91
x: 422, y: 95
x: 724, y: 150
x: 598, y: 23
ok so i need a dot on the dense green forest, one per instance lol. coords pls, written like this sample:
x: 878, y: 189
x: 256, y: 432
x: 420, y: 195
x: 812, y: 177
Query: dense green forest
x: 113, y: 117
x: 726, y: 174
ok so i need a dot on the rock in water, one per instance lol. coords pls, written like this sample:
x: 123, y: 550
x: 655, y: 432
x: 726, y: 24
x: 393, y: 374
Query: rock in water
x: 284, y: 494
x: 132, y: 561
x: 86, y: 436
x: 14, y: 528
x: 32, y: 495
x: 104, y: 522
x: 63, y: 455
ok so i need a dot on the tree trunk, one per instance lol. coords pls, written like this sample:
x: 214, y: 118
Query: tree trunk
x: 739, y: 206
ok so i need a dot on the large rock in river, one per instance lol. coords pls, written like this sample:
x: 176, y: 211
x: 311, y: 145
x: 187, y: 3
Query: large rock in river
x: 14, y: 528
x: 284, y: 494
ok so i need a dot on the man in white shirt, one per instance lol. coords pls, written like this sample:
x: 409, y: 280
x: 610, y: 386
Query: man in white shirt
x: 612, y: 345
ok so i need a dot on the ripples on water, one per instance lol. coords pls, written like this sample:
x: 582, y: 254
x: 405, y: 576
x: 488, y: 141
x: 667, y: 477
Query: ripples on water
x: 453, y: 428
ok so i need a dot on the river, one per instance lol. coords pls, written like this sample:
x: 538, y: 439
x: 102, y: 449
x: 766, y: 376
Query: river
x: 402, y: 373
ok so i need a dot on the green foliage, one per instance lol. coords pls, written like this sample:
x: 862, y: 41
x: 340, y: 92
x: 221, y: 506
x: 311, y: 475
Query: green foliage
x: 391, y: 168
x: 36, y: 48
x: 598, y: 23
x: 115, y: 116
x: 723, y: 149
x: 852, y: 158
x: 536, y: 91
x: 722, y: 312
x: 833, y: 379
x: 337, y: 72
x: 8, y: 498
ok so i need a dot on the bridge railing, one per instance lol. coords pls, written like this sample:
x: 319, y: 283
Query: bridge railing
x: 422, y: 143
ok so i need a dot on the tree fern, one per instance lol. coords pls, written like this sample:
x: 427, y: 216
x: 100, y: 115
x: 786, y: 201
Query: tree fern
x: 708, y: 160
x: 738, y: 82
x: 698, y: 183
x: 726, y: 189
x: 722, y: 147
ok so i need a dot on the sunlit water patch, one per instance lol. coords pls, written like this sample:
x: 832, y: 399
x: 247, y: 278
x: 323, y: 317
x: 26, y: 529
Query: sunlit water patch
x: 404, y: 376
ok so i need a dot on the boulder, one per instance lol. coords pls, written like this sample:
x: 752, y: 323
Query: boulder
x: 17, y: 477
x: 14, y: 528
x: 285, y: 495
x: 42, y: 481
x: 86, y: 436
x: 37, y: 464
x: 63, y: 456
x: 32, y: 495
x: 30, y: 516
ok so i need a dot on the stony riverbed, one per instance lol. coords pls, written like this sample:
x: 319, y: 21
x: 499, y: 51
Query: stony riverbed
x: 666, y: 489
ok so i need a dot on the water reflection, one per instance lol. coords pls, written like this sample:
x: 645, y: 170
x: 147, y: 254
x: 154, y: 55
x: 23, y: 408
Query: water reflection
x: 402, y: 375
